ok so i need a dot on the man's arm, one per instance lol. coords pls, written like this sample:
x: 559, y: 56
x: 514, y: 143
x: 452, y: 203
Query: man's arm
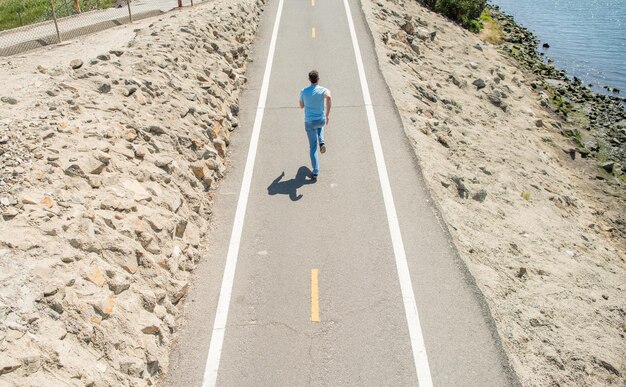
x: 329, y: 104
x: 301, y: 104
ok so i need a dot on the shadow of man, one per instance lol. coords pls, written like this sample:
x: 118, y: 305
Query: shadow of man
x: 290, y: 187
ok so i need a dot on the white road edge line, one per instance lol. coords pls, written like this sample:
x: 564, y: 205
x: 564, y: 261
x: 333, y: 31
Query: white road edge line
x: 410, y: 307
x: 221, y: 314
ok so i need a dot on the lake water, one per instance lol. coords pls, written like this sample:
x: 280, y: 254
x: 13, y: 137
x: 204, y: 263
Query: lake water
x: 587, y: 37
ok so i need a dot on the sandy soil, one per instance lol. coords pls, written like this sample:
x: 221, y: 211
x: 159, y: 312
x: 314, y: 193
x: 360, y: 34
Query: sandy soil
x: 543, y: 238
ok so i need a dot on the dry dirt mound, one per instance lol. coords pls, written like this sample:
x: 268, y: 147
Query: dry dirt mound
x: 542, y: 237
x: 106, y: 174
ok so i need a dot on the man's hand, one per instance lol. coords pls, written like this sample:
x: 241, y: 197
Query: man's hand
x: 327, y: 119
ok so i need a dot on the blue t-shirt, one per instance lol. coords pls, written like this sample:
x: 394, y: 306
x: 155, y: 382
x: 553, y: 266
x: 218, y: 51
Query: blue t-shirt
x: 313, y: 99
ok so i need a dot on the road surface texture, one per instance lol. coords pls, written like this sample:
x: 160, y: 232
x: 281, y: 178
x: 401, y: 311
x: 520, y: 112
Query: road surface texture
x: 332, y: 241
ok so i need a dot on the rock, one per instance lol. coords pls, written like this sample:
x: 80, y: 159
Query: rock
x: 10, y: 213
x: 521, y: 272
x: 199, y: 169
x: 42, y: 69
x: 119, y: 284
x: 496, y: 98
x: 460, y: 186
x: 76, y: 64
x: 539, y: 123
x: 83, y: 165
x: 415, y: 48
x: 175, y: 204
x: 608, y: 166
x: 607, y: 366
x: 132, y: 367
x: 478, y: 47
x: 546, y: 45
x: 137, y: 189
x: 220, y: 146
x: 104, y: 57
x: 9, y: 100
x: 104, y: 88
x: 105, y: 306
x: 50, y: 290
x: 234, y: 110
x: 8, y: 201
x: 479, y: 83
x: 408, y: 28
x: 8, y: 364
x: 117, y: 53
x: 424, y: 34
x: 163, y: 162
x: 96, y: 276
x: 47, y: 201
x: 480, y: 196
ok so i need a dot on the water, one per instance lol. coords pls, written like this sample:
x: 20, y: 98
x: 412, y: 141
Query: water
x: 587, y: 37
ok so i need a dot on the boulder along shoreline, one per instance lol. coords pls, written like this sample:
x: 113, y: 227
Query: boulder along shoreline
x: 602, y: 117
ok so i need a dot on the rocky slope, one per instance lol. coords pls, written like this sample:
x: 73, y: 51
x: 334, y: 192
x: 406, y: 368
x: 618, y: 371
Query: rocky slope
x: 542, y: 236
x: 106, y: 171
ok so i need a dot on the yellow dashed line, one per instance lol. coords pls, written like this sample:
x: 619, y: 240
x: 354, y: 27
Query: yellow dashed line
x: 313, y: 32
x: 315, y: 299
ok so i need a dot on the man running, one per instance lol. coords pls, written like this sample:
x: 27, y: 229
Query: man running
x: 312, y: 99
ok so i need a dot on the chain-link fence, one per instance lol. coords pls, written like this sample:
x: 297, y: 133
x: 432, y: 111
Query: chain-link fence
x: 29, y: 24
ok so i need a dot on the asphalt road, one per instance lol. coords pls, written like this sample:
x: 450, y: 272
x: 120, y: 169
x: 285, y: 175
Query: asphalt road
x: 339, y: 226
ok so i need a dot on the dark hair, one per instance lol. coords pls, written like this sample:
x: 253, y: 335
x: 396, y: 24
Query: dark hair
x: 314, y: 76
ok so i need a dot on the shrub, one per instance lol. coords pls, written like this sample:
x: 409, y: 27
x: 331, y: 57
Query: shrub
x: 465, y: 12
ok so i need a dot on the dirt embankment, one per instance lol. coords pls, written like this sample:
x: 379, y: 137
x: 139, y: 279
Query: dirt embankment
x: 106, y: 171
x: 543, y: 238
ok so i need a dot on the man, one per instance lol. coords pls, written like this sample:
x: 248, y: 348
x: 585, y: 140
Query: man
x: 316, y: 102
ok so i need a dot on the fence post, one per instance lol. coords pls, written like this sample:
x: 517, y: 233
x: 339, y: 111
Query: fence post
x: 130, y: 14
x: 54, y: 17
x: 192, y: 3
x: 180, y: 3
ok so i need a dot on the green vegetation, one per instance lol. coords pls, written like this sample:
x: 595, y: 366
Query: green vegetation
x: 526, y: 195
x: 464, y: 12
x: 17, y: 13
x: 492, y: 30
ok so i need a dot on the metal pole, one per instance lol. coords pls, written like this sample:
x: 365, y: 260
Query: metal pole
x: 54, y: 17
x: 130, y: 14
x: 192, y: 3
x: 180, y: 3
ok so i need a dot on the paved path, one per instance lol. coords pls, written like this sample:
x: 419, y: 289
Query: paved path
x: 40, y: 34
x: 341, y: 230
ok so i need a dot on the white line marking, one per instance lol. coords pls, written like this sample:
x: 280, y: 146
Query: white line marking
x: 410, y: 307
x: 221, y: 314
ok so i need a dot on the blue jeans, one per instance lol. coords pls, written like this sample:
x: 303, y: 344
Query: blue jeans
x: 315, y: 133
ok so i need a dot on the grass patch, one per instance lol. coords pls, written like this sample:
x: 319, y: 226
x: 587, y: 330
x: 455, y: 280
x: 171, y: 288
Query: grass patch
x: 526, y: 195
x: 492, y: 31
x: 18, y: 13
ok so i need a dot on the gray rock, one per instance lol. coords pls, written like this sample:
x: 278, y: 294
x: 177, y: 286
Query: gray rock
x: 480, y: 196
x: 460, y: 186
x: 9, y: 100
x: 104, y: 88
x: 609, y: 166
x: 104, y: 57
x: 479, y: 83
x: 76, y: 64
x: 607, y: 366
x: 117, y: 53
